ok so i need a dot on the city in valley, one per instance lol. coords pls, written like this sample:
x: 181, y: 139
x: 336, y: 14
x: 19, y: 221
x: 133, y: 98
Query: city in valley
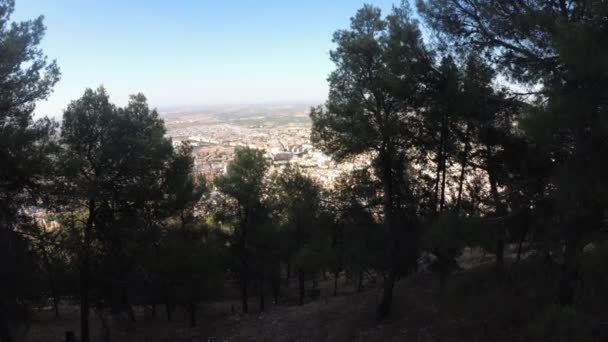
x: 281, y: 131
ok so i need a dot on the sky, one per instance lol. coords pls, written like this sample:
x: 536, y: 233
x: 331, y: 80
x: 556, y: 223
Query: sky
x: 191, y: 52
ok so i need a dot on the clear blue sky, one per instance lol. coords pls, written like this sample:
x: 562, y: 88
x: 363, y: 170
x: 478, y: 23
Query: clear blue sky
x: 191, y: 52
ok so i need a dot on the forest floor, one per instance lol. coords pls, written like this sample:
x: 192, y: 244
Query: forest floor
x: 474, y: 306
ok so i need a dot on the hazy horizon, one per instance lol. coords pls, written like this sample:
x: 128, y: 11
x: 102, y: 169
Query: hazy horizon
x: 193, y: 53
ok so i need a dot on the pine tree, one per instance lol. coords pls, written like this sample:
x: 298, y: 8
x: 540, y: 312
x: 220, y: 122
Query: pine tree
x: 243, y: 209
x: 381, y: 66
x: 26, y: 76
x: 112, y: 166
x: 559, y: 47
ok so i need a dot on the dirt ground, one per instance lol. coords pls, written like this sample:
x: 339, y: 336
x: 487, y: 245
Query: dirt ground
x: 475, y: 306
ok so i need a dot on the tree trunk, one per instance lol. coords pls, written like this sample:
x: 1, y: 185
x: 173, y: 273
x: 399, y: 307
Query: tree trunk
x: 501, y: 229
x: 389, y: 282
x: 275, y: 291
x: 244, y: 265
x: 387, y: 296
x: 244, y: 295
x: 56, y: 305
x: 5, y: 331
x: 570, y: 269
x: 84, y: 276
x: 443, y: 276
x: 54, y: 294
x: 192, y: 310
x: 360, y: 282
x: 444, y: 133
x: 262, y: 299
x: 127, y: 305
x: 164, y: 288
x: 438, y: 173
x: 131, y: 313
x: 288, y: 272
x: 84, y: 302
x: 465, y: 157
x: 336, y: 283
x: 51, y: 279
x: 301, y: 286
x: 521, y: 243
x: 167, y: 302
x: 500, y: 249
x: 443, y: 176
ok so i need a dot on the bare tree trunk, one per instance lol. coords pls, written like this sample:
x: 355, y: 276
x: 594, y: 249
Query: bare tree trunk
x: 275, y: 292
x: 84, y: 276
x: 54, y: 294
x: 465, y: 157
x: 192, y: 311
x: 288, y: 272
x: 389, y: 282
x: 164, y: 289
x: 84, y: 302
x: 438, y: 173
x: 444, y: 133
x: 501, y: 229
x: 336, y: 275
x: 521, y: 243
x: 360, y: 282
x: 262, y: 298
x: 244, y: 295
x: 443, y: 175
x: 5, y: 331
x: 131, y: 313
x: 301, y: 286
x: 126, y: 304
x: 167, y: 302
x: 443, y: 276
x: 51, y: 280
x: 244, y: 264
x: 500, y: 249
x: 570, y: 268
x: 387, y: 295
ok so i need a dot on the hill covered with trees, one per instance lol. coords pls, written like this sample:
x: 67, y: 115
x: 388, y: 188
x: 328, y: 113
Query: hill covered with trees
x: 483, y: 216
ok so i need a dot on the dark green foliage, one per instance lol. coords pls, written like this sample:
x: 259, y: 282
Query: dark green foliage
x: 298, y: 201
x: 243, y: 211
x: 26, y: 77
x: 357, y: 237
x: 494, y: 139
x: 381, y: 63
x: 559, y: 47
x: 114, y: 165
x: 445, y: 238
x: 189, y: 262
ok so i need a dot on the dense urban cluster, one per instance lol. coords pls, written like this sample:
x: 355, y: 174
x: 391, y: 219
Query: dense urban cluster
x: 213, y: 148
x: 492, y: 138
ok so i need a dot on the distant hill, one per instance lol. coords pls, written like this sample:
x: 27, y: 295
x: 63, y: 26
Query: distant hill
x: 238, y: 114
